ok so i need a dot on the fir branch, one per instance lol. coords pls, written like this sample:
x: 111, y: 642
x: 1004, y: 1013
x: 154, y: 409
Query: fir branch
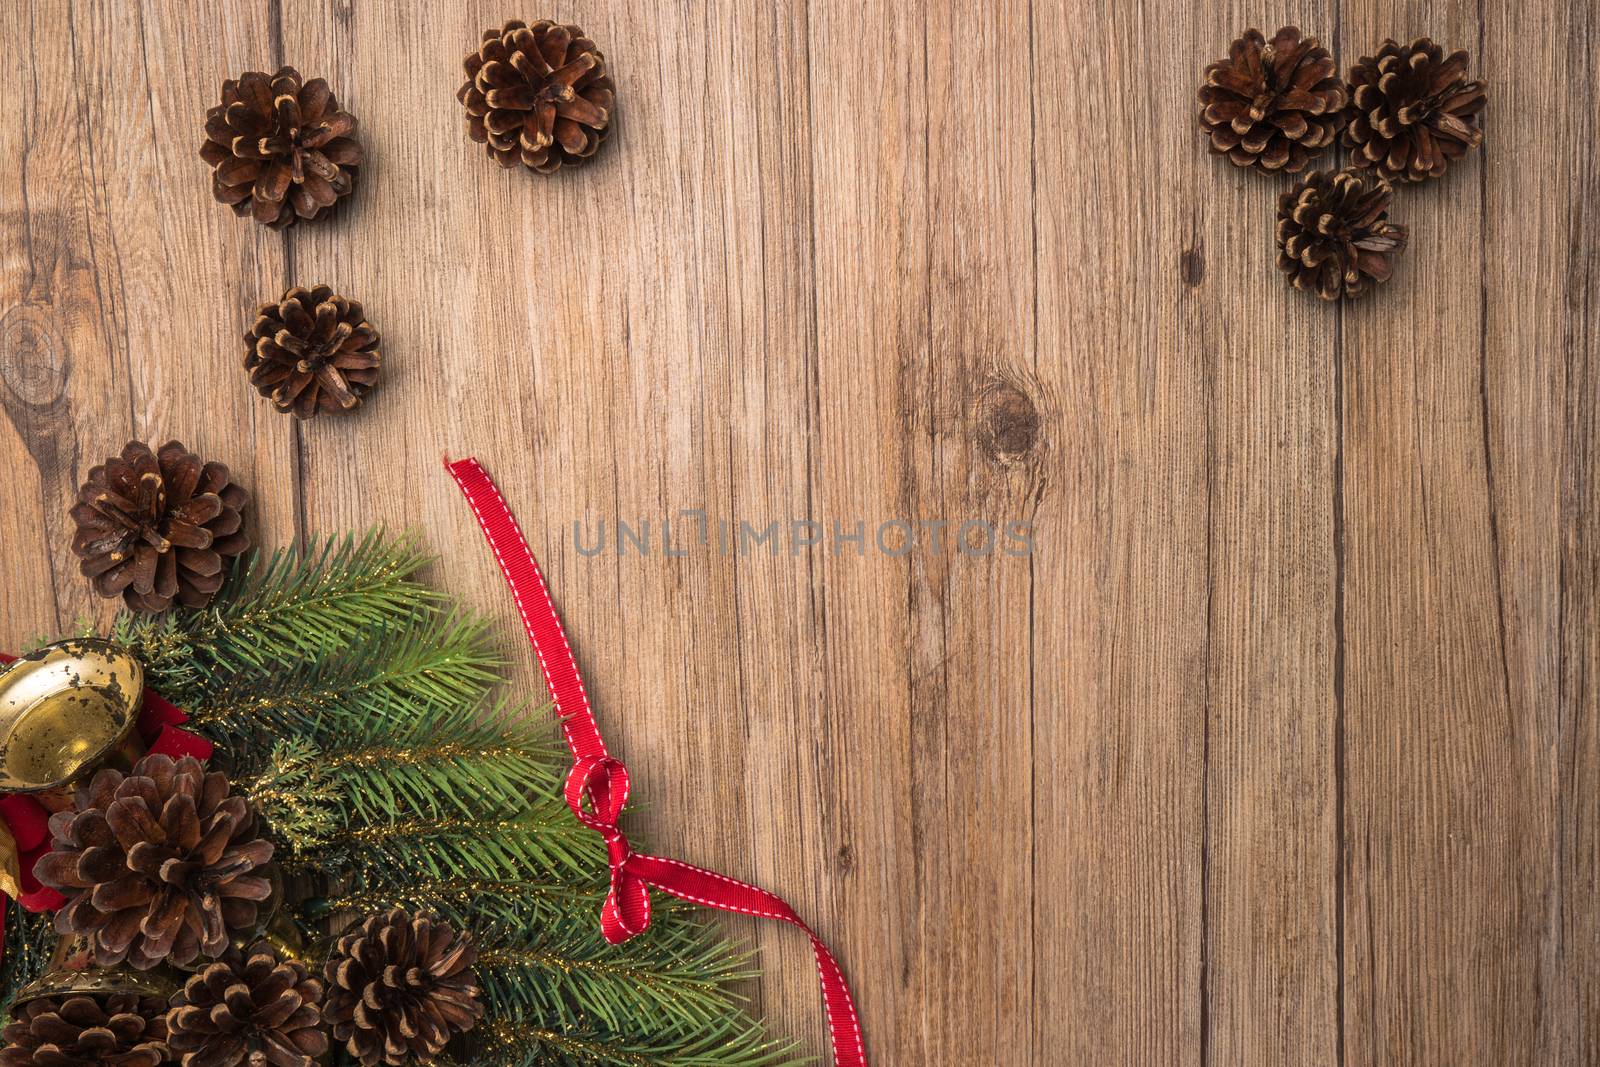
x: 444, y: 661
x: 545, y: 840
x: 509, y: 1044
x: 295, y: 798
x: 672, y: 975
x: 297, y: 606
x: 29, y: 938
x: 491, y: 908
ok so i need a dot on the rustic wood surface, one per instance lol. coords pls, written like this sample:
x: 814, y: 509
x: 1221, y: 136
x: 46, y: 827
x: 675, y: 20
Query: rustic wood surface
x: 1282, y: 747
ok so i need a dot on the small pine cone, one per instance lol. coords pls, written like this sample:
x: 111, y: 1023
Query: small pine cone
x: 313, y: 351
x: 1334, y: 233
x: 279, y: 148
x: 399, y: 988
x: 157, y: 866
x: 154, y: 527
x: 249, y: 1008
x: 82, y: 1030
x: 1412, y: 110
x: 538, y: 95
x: 1272, y: 105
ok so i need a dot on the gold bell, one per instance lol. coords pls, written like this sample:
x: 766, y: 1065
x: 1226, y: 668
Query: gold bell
x: 72, y: 970
x: 66, y: 710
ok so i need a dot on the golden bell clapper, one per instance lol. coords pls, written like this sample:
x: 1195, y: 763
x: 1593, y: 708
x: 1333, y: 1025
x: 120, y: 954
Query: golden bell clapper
x: 66, y: 710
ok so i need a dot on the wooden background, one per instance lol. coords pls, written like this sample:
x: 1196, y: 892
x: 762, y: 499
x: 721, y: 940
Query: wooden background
x: 1281, y: 748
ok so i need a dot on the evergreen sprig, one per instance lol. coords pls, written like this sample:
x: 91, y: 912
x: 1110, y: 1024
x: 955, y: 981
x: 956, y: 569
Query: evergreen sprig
x: 357, y: 711
x: 728, y: 1044
x: 29, y: 938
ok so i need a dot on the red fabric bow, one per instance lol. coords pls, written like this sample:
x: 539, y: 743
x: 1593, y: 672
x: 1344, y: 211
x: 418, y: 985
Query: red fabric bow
x: 159, y: 725
x: 597, y: 788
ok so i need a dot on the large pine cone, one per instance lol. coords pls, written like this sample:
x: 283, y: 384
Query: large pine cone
x: 249, y: 1009
x: 313, y: 351
x: 1272, y: 105
x: 1413, y: 110
x: 279, y: 148
x: 1334, y: 233
x: 537, y: 95
x: 154, y: 527
x: 115, y: 1030
x: 157, y: 866
x: 399, y: 988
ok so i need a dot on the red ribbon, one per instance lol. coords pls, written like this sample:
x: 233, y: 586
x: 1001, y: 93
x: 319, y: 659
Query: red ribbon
x: 28, y: 820
x: 603, y: 780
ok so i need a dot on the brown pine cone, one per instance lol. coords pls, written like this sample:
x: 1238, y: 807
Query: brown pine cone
x: 279, y: 148
x: 1334, y: 233
x: 154, y: 527
x: 313, y: 351
x: 399, y: 988
x: 537, y: 95
x: 80, y: 1030
x: 248, y: 1009
x: 1413, y: 110
x: 1272, y: 105
x: 157, y: 866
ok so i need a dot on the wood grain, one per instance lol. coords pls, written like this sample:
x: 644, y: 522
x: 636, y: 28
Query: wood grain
x: 1281, y: 747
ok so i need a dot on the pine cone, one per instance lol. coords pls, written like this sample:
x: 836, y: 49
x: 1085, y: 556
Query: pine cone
x: 155, y: 527
x: 280, y: 149
x: 80, y: 1030
x: 1272, y: 105
x: 1334, y: 233
x: 400, y: 987
x: 539, y: 95
x: 313, y: 351
x: 157, y: 866
x: 1412, y: 110
x: 249, y: 1009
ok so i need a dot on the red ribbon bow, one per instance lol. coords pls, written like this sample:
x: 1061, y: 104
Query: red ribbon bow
x: 597, y: 788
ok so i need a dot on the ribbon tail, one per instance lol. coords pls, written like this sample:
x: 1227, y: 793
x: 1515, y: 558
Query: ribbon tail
x: 712, y: 890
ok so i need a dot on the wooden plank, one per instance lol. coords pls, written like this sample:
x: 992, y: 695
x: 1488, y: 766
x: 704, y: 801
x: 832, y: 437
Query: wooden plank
x: 1444, y: 866
x: 1538, y: 378
x: 183, y: 270
x: 120, y: 307
x: 56, y: 387
x: 870, y: 275
x: 1120, y: 587
x: 1269, y: 982
x: 977, y: 422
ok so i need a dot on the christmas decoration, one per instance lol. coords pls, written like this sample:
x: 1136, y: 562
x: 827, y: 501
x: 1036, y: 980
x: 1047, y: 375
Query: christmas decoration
x: 353, y: 713
x: 538, y: 95
x: 400, y: 988
x: 157, y: 866
x: 279, y: 148
x: 313, y: 351
x: 249, y: 1008
x: 154, y: 527
x: 1272, y: 105
x: 355, y: 709
x: 1413, y: 110
x: 1334, y: 233
x: 85, y: 1030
